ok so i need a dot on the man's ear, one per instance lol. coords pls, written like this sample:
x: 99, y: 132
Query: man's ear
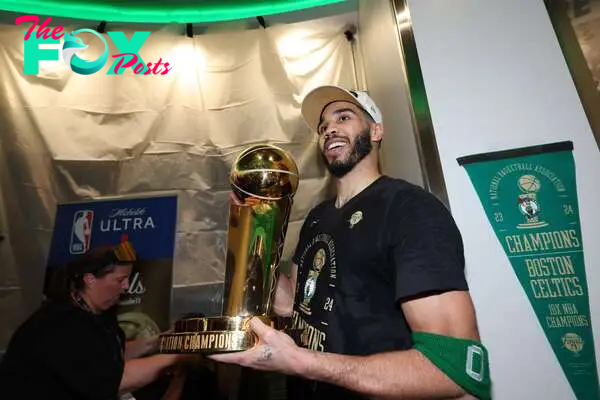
x: 89, y: 279
x: 376, y: 132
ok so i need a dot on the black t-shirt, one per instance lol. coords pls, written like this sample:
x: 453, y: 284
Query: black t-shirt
x: 63, y: 352
x: 390, y: 243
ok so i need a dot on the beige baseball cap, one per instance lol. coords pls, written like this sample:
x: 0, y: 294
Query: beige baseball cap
x: 316, y: 100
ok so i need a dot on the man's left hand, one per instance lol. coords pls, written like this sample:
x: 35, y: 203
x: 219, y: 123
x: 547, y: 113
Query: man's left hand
x: 274, y: 351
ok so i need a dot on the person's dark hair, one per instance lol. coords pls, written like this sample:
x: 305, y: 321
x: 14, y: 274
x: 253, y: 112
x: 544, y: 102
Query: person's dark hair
x: 99, y: 262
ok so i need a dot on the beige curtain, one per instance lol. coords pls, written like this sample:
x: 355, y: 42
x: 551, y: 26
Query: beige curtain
x: 66, y: 137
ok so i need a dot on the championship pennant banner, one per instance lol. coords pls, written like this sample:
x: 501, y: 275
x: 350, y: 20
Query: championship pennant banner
x: 530, y: 198
x: 149, y: 225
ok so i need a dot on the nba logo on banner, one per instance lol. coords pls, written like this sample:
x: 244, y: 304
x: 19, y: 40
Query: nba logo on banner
x: 81, y: 233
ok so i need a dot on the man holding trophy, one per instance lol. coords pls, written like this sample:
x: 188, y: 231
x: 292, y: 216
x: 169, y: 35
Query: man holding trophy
x: 377, y: 295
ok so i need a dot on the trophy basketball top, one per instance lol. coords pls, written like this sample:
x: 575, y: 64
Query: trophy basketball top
x: 265, y: 172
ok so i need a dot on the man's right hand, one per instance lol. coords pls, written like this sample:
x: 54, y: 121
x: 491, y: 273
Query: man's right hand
x: 234, y: 199
x: 285, y: 293
x: 250, y: 201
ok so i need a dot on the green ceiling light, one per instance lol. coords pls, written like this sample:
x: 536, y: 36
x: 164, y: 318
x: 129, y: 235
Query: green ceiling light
x: 158, y: 11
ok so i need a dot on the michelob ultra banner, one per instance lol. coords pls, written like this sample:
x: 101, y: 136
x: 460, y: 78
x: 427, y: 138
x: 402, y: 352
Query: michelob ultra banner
x: 530, y: 198
x: 148, y: 225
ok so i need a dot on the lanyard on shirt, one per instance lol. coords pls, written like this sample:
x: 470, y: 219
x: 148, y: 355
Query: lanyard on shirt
x: 80, y: 302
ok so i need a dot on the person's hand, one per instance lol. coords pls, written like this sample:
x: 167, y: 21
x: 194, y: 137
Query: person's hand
x: 274, y: 351
x: 178, y: 376
x: 189, y: 359
x: 250, y: 201
x: 153, y: 342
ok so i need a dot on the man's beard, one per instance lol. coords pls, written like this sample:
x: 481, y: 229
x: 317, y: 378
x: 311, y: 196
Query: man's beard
x: 361, y: 148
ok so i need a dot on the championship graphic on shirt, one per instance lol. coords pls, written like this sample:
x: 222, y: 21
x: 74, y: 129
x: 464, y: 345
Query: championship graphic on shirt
x: 311, y: 281
x: 315, y: 290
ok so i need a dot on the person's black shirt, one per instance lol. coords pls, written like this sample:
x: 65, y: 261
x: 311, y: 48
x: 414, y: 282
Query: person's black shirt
x: 390, y: 243
x: 64, y: 352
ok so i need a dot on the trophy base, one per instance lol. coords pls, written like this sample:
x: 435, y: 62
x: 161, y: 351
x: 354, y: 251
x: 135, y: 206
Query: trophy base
x: 211, y: 335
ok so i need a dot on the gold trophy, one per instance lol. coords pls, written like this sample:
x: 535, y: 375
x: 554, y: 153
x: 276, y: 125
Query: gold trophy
x: 265, y: 179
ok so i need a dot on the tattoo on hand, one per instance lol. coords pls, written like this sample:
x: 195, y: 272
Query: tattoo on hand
x: 265, y: 353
